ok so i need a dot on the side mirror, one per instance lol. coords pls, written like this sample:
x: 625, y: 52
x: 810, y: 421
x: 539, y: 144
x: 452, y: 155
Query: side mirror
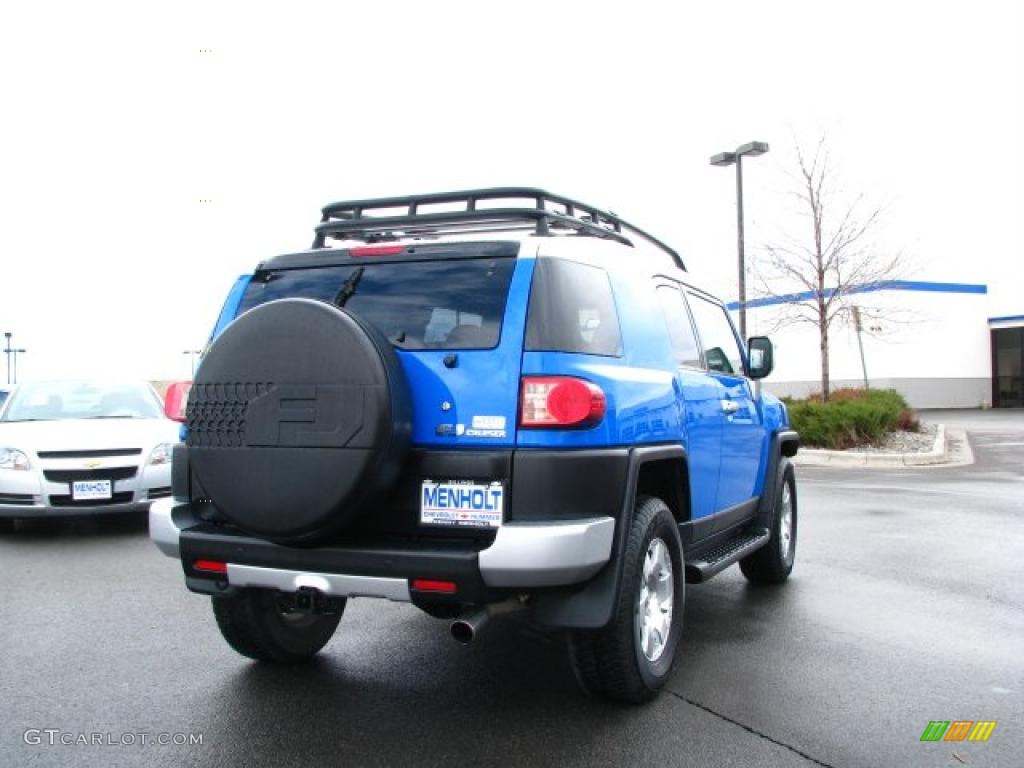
x: 759, y: 353
x: 176, y: 399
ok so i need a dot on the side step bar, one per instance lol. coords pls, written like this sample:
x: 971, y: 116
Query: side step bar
x: 719, y: 558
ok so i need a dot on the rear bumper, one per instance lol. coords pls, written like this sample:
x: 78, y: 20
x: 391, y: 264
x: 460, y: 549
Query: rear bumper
x: 523, y: 555
x: 167, y: 519
x: 334, y: 584
x: 547, y: 554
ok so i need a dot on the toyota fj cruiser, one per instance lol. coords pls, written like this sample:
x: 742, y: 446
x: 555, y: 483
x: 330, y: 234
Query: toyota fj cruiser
x: 478, y: 402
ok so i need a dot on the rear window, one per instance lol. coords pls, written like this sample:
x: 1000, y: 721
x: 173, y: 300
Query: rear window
x: 450, y: 304
x: 572, y: 310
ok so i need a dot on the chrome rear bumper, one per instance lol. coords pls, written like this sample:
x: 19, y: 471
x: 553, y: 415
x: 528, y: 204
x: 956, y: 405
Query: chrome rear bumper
x: 335, y: 584
x: 547, y: 554
x: 167, y: 519
x: 523, y: 555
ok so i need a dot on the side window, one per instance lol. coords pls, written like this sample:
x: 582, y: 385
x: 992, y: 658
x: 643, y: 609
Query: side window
x: 721, y: 352
x: 680, y: 329
x: 572, y: 310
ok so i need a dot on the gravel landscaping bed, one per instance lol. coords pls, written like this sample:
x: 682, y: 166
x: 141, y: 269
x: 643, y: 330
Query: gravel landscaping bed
x: 905, y: 442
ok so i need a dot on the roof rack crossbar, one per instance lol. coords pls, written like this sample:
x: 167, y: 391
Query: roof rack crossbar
x: 384, y: 227
x: 350, y: 218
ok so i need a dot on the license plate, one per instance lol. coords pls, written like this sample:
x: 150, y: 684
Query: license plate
x: 83, y: 490
x: 476, y: 505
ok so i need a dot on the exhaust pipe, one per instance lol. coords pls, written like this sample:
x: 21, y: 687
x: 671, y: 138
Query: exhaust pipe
x: 465, y: 628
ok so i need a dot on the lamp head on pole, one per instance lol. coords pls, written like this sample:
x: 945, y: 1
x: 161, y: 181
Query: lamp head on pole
x: 753, y: 148
x: 750, y: 149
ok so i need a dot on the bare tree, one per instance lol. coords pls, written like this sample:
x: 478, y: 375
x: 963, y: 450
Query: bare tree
x: 832, y: 260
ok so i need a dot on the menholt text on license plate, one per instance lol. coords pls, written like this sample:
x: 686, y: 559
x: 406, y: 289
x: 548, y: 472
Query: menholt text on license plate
x: 81, y: 490
x: 479, y: 505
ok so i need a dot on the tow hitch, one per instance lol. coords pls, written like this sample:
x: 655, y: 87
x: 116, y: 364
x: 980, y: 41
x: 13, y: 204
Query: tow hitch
x: 311, y: 600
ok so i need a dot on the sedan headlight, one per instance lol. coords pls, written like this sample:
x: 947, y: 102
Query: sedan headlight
x: 12, y: 458
x: 161, y: 454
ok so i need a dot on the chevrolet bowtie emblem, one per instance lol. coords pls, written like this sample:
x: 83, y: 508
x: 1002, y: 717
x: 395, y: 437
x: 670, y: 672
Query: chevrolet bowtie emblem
x: 91, y: 464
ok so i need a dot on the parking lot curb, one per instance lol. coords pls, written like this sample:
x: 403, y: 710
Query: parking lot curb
x: 939, y: 454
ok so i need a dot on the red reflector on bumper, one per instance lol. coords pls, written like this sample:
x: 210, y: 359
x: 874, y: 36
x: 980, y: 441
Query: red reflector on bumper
x: 432, y: 585
x: 210, y: 566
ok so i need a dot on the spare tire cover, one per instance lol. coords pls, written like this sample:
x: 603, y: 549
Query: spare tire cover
x: 298, y: 414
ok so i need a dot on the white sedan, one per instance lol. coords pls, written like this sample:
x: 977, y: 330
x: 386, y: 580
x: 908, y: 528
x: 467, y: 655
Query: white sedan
x: 83, y: 447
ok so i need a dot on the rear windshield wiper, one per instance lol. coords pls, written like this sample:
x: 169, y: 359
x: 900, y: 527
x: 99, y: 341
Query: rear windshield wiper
x: 398, y: 339
x: 348, y: 288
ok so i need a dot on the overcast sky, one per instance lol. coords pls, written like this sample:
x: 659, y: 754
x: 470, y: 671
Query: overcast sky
x: 115, y: 123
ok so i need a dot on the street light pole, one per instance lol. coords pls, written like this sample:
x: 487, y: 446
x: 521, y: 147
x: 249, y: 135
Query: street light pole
x: 193, y: 353
x: 742, y: 264
x: 860, y: 343
x: 7, y: 351
x: 16, y: 352
x: 753, y: 148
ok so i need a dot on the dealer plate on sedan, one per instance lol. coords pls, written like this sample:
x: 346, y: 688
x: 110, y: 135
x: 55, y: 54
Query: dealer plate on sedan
x: 457, y: 503
x: 85, y: 490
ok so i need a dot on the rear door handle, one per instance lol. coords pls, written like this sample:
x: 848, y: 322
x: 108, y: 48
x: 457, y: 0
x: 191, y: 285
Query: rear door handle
x: 730, y: 406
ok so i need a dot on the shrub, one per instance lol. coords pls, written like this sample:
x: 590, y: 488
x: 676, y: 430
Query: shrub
x: 908, y: 421
x: 850, y: 418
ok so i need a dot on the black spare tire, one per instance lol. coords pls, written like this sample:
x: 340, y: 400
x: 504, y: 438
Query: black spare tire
x: 299, y: 415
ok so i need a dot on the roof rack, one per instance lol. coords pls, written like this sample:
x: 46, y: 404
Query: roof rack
x: 356, y: 220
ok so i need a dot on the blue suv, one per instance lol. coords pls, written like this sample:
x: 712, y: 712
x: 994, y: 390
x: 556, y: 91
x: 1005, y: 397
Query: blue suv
x: 478, y: 402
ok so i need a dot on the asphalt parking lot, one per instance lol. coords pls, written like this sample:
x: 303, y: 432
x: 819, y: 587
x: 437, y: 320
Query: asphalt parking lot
x: 905, y: 606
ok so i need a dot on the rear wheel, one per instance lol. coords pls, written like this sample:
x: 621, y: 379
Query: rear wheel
x: 631, y: 658
x: 256, y: 624
x: 773, y: 563
x: 8, y: 524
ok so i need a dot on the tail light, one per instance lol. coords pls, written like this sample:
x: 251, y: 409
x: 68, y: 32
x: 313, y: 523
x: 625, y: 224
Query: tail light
x: 176, y: 400
x: 560, y: 401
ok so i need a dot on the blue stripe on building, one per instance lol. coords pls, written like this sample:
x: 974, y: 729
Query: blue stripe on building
x: 888, y: 285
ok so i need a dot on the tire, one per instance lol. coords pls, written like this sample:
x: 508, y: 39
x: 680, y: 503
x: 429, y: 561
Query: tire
x: 615, y: 661
x: 773, y: 563
x: 299, y: 418
x: 8, y: 524
x: 254, y: 624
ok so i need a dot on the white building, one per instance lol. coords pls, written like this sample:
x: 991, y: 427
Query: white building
x: 935, y: 343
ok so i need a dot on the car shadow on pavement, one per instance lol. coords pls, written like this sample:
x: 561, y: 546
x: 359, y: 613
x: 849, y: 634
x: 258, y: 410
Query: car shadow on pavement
x: 392, y: 688
x: 731, y: 611
x: 415, y: 697
x: 129, y: 524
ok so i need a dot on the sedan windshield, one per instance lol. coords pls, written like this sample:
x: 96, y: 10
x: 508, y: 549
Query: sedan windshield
x: 53, y: 400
